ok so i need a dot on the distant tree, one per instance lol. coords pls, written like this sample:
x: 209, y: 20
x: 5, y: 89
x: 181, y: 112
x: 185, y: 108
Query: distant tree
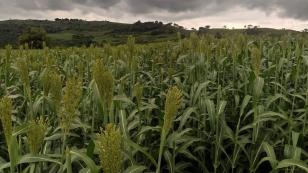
x: 82, y: 40
x: 204, y: 29
x: 169, y: 24
x: 34, y: 38
x: 249, y: 27
x: 176, y: 25
x: 305, y: 30
x: 252, y: 30
x: 138, y: 22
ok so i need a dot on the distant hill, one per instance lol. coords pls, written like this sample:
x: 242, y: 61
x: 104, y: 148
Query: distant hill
x: 62, y: 31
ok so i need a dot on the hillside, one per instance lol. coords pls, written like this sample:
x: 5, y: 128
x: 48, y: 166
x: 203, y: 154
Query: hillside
x: 62, y: 31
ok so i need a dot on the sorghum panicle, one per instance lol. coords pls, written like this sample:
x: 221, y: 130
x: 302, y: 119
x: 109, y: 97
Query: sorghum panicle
x: 22, y: 67
x: 36, y: 134
x: 104, y: 81
x: 173, y: 102
x: 256, y: 60
x: 5, y: 117
x: 109, y: 143
x: 138, y: 92
x: 56, y: 87
x: 70, y: 103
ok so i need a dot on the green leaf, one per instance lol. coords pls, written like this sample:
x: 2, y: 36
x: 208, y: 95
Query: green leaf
x: 186, y: 115
x: 123, y: 98
x: 137, y: 147
x: 272, y: 99
x: 291, y: 162
x: 211, y: 112
x: 123, y: 123
x: 244, y: 104
x: 221, y: 107
x: 13, y: 152
x: 270, y: 153
x: 90, y: 149
x: 87, y: 160
x: 135, y: 169
x: 295, y: 136
x: 37, y: 158
x: 21, y: 129
x: 168, y: 159
x: 29, y: 158
x: 258, y: 86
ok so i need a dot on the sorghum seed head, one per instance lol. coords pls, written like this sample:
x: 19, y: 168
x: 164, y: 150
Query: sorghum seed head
x: 109, y: 143
x: 5, y: 117
x: 172, y: 104
x: 36, y: 134
x: 70, y: 103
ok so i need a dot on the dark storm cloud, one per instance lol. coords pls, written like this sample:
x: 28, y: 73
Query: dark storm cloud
x: 286, y: 8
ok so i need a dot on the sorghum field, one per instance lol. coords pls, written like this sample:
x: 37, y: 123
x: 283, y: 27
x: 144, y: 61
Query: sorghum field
x: 237, y: 104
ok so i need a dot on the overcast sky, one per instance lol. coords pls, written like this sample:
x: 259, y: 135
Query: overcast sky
x: 291, y: 14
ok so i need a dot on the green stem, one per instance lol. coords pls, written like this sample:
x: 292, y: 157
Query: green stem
x: 161, y: 149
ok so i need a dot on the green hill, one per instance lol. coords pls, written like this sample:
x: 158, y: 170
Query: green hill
x: 62, y: 32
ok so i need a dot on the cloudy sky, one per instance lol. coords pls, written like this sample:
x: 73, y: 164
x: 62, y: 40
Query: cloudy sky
x: 291, y: 14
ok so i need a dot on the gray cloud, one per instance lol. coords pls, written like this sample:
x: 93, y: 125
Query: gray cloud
x: 181, y: 5
x: 169, y: 5
x: 57, y: 5
x: 99, y: 3
x: 62, y: 4
x: 296, y: 9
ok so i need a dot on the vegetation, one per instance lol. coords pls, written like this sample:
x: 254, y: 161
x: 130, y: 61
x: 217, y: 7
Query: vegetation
x: 201, y: 104
x: 35, y: 38
x: 75, y: 32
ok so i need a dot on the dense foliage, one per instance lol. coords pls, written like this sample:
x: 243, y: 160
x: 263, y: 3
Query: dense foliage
x: 35, y: 38
x: 238, y: 104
